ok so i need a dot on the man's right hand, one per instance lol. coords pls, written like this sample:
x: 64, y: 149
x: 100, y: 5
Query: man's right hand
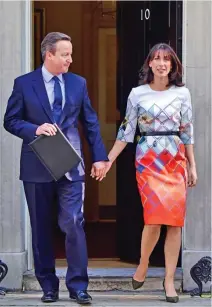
x: 46, y: 129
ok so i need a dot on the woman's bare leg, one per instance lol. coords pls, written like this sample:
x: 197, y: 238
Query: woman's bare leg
x: 150, y: 236
x: 171, y: 250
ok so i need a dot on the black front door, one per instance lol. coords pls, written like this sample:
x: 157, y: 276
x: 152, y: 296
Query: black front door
x: 140, y: 25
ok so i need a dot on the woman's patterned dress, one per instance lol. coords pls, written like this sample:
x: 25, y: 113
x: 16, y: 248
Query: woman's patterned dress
x: 160, y: 160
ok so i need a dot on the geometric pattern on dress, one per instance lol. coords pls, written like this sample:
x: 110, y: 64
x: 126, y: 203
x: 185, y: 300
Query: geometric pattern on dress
x: 160, y: 163
x: 128, y: 126
x: 162, y: 184
x: 163, y: 193
x: 171, y: 116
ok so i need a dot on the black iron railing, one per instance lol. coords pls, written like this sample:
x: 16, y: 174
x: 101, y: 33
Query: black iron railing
x: 3, y: 273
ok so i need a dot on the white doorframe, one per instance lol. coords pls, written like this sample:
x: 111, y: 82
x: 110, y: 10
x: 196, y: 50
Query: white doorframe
x: 27, y: 66
x: 184, y: 49
x: 27, y: 61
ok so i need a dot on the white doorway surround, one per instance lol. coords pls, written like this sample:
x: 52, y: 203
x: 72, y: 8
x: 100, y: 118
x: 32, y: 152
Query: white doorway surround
x: 27, y: 67
x: 15, y: 60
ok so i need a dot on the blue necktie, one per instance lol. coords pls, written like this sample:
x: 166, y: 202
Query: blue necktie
x: 57, y: 105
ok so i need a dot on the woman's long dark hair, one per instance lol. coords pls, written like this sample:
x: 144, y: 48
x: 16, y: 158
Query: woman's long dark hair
x: 146, y: 75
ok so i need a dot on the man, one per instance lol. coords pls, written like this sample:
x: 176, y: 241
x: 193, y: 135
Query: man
x: 39, y: 99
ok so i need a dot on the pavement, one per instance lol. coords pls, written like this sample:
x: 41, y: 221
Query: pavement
x: 104, y: 299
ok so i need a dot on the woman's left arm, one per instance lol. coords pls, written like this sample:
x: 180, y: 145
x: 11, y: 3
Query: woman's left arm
x: 186, y: 135
x: 192, y: 172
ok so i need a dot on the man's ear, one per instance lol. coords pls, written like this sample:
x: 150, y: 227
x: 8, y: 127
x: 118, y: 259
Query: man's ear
x: 48, y: 55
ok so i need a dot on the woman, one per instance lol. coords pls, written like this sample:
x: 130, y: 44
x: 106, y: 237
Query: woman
x: 165, y: 164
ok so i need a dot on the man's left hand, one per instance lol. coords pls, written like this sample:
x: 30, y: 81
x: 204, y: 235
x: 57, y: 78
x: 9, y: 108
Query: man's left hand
x: 98, y: 170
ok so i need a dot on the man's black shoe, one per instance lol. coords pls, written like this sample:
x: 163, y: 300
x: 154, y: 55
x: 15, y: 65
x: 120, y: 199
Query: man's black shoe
x: 81, y: 297
x: 50, y: 297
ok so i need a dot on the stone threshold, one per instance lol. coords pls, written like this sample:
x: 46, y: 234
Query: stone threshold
x: 108, y: 279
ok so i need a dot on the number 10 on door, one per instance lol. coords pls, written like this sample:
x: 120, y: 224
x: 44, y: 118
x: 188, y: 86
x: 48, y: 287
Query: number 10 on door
x: 145, y: 14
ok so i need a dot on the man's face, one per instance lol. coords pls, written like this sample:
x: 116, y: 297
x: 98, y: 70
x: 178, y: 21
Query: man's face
x: 60, y: 61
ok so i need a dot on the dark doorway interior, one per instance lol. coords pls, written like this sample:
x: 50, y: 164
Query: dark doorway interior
x: 135, y: 38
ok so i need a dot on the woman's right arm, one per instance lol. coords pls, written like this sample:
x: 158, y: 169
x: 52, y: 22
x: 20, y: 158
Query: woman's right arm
x: 118, y: 147
x: 126, y: 131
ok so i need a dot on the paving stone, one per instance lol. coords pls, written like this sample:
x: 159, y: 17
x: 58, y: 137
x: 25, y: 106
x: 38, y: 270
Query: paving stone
x: 104, y: 299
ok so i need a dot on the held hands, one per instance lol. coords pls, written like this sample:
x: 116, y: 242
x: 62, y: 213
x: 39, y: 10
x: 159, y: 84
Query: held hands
x: 100, y: 169
x: 46, y: 129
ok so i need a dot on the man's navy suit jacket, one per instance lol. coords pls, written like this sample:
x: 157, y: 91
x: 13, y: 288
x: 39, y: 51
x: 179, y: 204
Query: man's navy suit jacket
x: 28, y: 107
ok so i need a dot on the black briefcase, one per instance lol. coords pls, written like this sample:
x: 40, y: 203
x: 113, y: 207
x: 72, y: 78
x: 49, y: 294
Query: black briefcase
x: 56, y: 153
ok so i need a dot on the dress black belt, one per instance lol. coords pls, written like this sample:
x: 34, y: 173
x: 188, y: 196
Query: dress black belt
x: 158, y: 133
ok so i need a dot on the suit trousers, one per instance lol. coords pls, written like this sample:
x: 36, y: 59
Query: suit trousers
x: 40, y: 198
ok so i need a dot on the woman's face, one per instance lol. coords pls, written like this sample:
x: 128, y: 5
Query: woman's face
x: 160, y: 64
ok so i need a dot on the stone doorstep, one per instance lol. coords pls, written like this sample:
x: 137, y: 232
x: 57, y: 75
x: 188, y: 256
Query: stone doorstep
x: 109, y: 279
x: 103, y: 299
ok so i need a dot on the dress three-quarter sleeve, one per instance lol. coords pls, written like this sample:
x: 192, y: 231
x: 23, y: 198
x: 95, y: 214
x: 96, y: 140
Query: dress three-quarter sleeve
x: 186, y: 124
x: 127, y: 129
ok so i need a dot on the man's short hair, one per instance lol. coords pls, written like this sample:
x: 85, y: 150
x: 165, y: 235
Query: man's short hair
x: 50, y: 40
